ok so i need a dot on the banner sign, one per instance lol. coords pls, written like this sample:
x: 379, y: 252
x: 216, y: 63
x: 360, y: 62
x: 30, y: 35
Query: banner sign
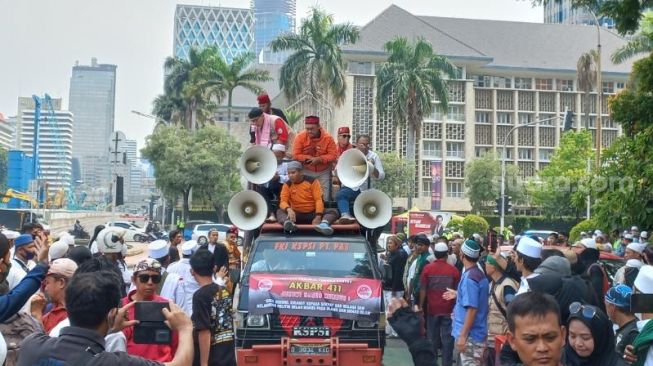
x: 348, y: 298
x: 420, y: 222
x: 436, y: 185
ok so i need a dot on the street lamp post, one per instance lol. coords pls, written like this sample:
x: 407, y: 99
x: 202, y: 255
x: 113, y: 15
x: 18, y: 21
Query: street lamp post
x: 503, y: 166
x: 599, y: 82
x: 155, y: 118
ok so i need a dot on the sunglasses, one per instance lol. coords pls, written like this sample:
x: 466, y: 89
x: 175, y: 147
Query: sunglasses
x: 578, y: 308
x: 345, y: 136
x: 145, y: 278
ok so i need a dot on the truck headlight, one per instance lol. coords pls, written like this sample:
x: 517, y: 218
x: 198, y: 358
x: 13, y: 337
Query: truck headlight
x: 255, y: 321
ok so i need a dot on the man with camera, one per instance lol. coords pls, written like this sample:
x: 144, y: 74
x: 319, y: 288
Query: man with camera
x: 93, y: 312
x: 146, y: 278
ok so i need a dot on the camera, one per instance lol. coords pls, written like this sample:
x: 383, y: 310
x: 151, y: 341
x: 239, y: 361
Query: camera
x: 151, y: 328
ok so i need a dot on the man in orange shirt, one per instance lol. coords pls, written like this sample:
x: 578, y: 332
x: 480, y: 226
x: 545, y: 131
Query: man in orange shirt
x: 301, y: 203
x: 315, y: 149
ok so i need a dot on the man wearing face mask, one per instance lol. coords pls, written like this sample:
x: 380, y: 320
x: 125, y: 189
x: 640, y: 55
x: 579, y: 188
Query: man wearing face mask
x: 21, y: 263
x: 93, y: 312
x: 18, y: 296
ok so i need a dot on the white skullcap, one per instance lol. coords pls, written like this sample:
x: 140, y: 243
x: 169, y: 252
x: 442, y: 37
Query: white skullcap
x: 10, y: 234
x: 279, y: 147
x: 189, y: 247
x: 644, y: 280
x: 636, y: 247
x: 158, y: 249
x: 57, y: 250
x: 643, y: 235
x: 441, y: 247
x: 106, y: 243
x: 634, y: 228
x: 588, y: 243
x: 529, y: 247
x: 628, y: 236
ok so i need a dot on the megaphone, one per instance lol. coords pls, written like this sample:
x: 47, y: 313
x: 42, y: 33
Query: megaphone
x: 247, y: 210
x: 258, y: 164
x: 353, y: 169
x: 373, y: 208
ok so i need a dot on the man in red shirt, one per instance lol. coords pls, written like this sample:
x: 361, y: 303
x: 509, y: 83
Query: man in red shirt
x: 268, y: 128
x: 435, y: 279
x: 55, y: 283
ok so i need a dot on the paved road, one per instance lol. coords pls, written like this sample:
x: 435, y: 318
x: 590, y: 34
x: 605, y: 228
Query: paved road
x: 396, y: 353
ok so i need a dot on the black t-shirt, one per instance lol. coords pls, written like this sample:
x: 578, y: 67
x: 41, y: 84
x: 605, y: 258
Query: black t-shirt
x: 174, y: 254
x: 212, y: 310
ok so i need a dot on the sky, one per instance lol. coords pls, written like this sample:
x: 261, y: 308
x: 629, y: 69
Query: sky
x: 40, y: 40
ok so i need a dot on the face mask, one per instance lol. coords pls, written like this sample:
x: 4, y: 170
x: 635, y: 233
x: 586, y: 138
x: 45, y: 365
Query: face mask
x: 30, y: 255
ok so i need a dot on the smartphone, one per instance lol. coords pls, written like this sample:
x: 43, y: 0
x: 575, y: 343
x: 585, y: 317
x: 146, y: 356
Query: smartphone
x: 151, y: 328
x: 641, y: 303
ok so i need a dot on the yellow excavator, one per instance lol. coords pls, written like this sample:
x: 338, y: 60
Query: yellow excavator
x: 20, y: 196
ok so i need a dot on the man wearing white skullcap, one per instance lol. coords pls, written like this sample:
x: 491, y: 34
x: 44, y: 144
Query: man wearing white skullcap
x: 527, y: 259
x: 182, y: 268
x: 644, y: 341
x: 272, y: 189
x: 171, y: 286
x: 633, y: 257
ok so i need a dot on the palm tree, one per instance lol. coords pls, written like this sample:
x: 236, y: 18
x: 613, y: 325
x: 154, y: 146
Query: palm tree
x: 231, y: 76
x: 316, y: 65
x: 408, y: 82
x: 586, y: 74
x: 293, y: 117
x: 641, y: 42
x: 187, y: 82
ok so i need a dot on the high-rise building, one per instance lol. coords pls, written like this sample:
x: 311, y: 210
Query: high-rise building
x: 271, y: 19
x: 92, y: 100
x: 55, y: 140
x: 231, y: 30
x: 7, y: 132
x: 562, y: 12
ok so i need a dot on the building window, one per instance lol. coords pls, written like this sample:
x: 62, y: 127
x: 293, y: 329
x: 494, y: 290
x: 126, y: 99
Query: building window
x: 432, y: 149
x: 565, y: 85
x: 456, y: 150
x: 483, y: 117
x: 456, y: 113
x: 523, y: 83
x: 426, y: 187
x: 508, y: 152
x: 360, y: 68
x: 525, y: 154
x: 504, y: 118
x: 436, y: 113
x: 545, y: 154
x: 544, y: 84
x: 525, y: 118
x: 481, y: 151
x: 455, y: 189
x: 482, y: 81
x: 502, y: 82
x: 620, y: 85
x: 608, y: 87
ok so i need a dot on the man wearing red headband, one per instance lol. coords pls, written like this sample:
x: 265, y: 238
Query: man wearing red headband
x: 315, y: 149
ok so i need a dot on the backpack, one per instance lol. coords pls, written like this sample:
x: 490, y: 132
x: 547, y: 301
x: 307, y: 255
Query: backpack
x: 15, y: 329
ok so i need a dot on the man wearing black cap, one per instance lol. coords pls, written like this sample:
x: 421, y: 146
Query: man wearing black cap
x: 268, y: 128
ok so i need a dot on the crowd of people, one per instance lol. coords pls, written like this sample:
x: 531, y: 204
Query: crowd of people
x: 67, y: 304
x: 528, y: 300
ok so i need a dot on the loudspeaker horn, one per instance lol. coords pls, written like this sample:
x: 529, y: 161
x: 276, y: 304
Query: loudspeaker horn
x: 258, y: 164
x: 247, y: 210
x: 373, y: 208
x: 352, y: 168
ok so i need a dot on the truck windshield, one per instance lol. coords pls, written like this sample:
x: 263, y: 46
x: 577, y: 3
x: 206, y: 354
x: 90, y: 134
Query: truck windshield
x: 313, y: 258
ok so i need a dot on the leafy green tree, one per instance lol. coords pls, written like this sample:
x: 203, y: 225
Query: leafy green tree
x: 483, y: 182
x: 203, y: 161
x: 408, y: 82
x: 474, y: 224
x: 564, y: 183
x: 4, y: 161
x: 640, y: 42
x: 293, y: 117
x: 398, y: 175
x: 238, y: 74
x: 316, y: 64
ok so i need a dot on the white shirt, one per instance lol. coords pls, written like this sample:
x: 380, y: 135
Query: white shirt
x: 376, y: 161
x: 182, y: 268
x: 114, y: 342
x: 17, y: 271
x: 523, y: 284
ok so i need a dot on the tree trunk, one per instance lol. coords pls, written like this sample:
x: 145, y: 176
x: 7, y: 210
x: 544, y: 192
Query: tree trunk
x: 410, y: 157
x: 186, y: 193
x: 219, y: 212
x: 229, y: 111
x: 193, y: 115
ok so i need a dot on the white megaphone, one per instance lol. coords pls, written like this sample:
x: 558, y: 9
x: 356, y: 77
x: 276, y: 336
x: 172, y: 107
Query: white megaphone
x: 353, y: 169
x: 258, y: 164
x: 247, y: 210
x: 373, y: 208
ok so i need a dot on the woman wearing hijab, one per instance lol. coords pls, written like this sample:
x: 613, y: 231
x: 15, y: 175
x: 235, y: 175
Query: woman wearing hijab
x: 590, y: 338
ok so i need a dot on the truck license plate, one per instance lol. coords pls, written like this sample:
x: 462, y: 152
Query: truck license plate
x: 310, y: 349
x: 311, y: 332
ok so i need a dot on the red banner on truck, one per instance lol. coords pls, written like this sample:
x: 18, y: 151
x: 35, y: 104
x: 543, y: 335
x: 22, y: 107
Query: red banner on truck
x: 348, y: 298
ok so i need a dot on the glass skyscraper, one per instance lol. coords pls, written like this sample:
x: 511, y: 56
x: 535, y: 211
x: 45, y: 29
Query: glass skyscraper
x: 562, y: 12
x: 228, y: 29
x: 272, y: 18
x: 92, y: 101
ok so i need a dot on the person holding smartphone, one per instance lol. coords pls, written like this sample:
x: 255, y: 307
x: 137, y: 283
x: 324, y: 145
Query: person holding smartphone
x: 146, y: 278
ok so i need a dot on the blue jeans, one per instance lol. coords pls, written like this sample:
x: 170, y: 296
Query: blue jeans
x: 343, y: 197
x: 438, y: 327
